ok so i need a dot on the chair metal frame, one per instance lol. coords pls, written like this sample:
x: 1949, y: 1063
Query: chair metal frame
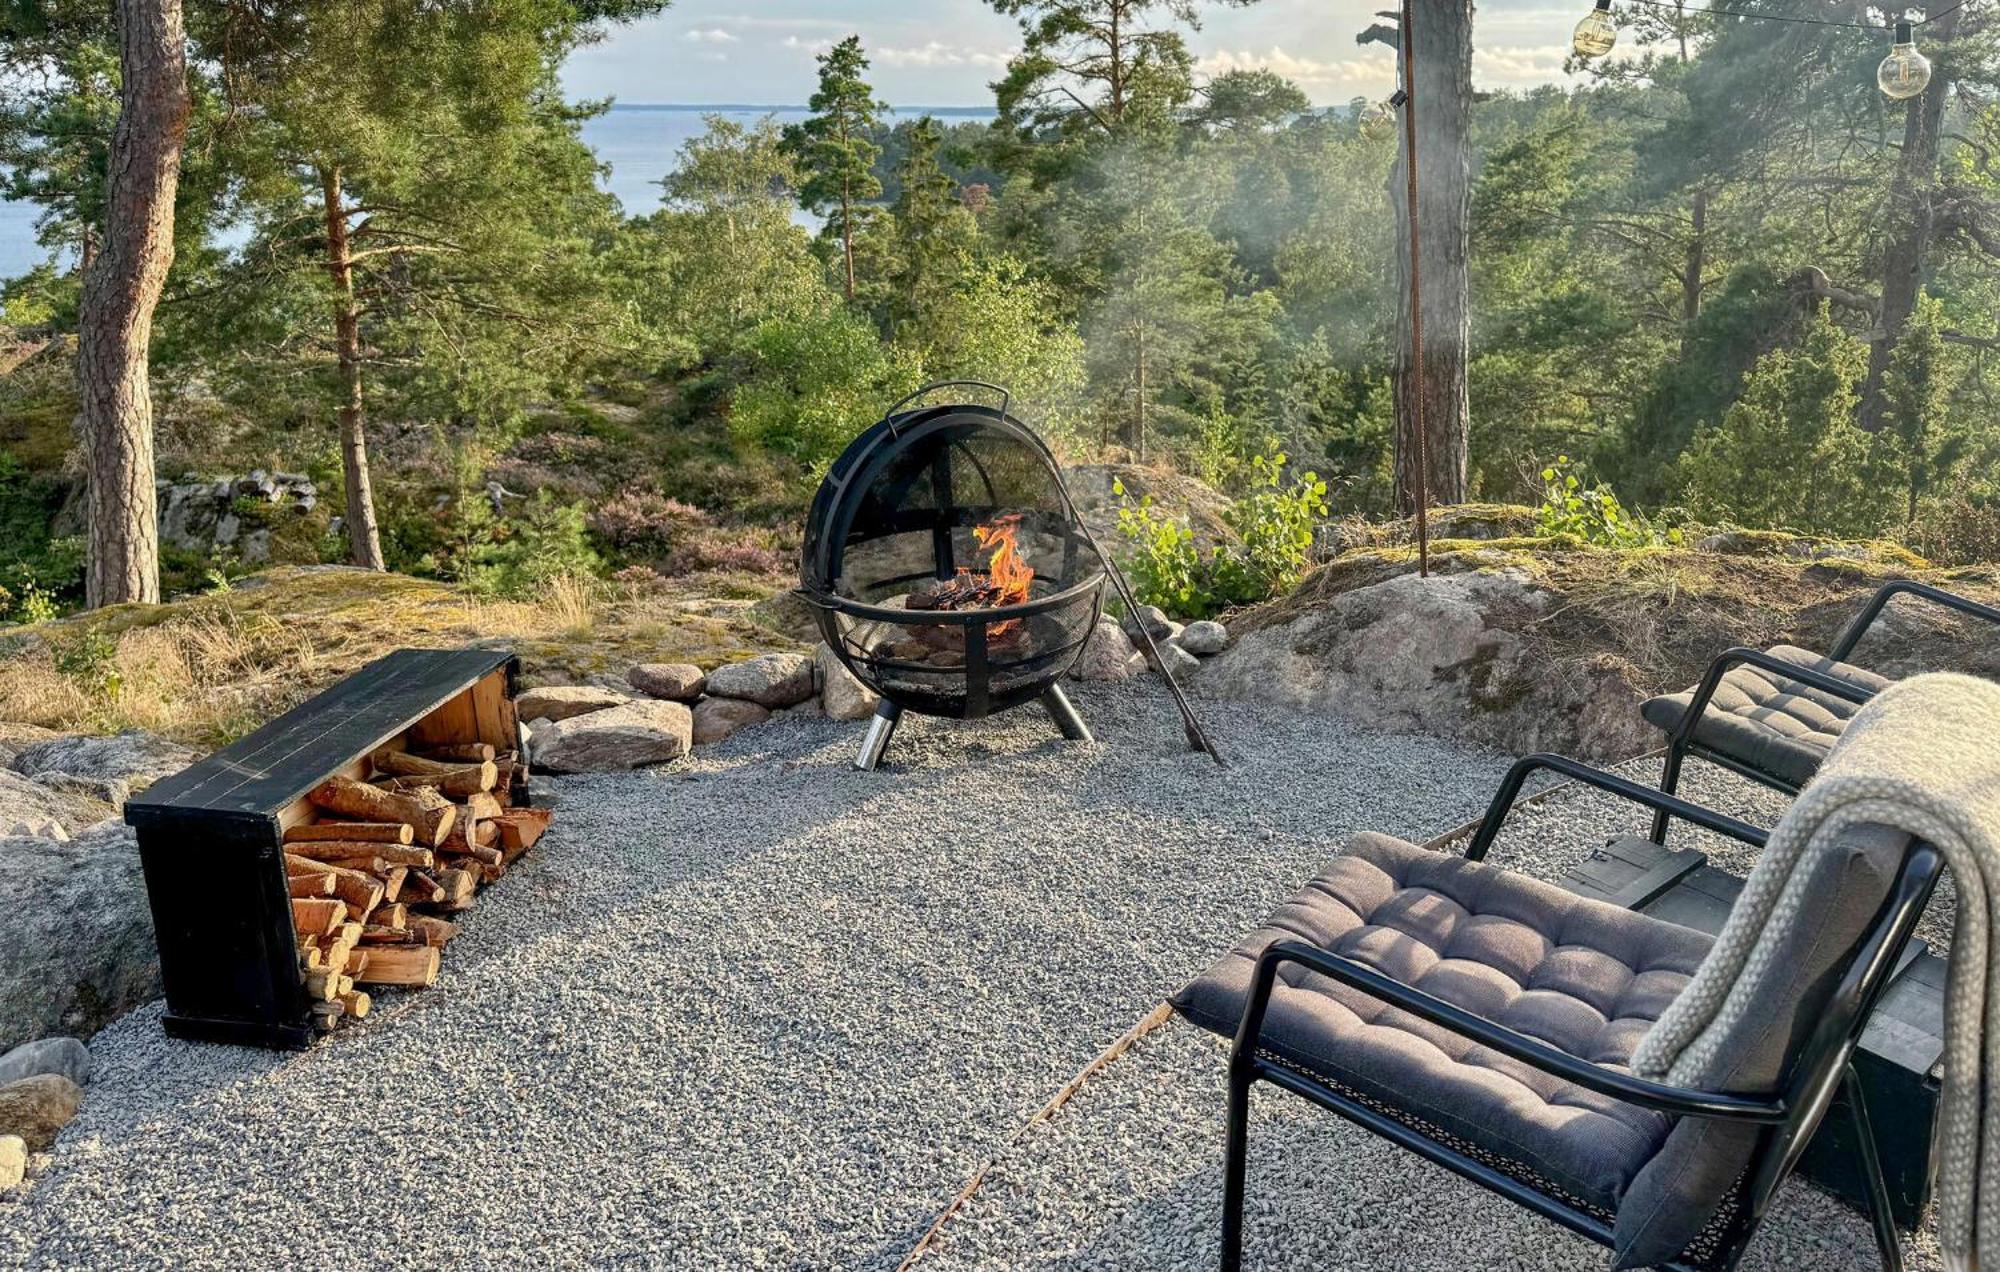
x: 1681, y: 741
x: 1818, y: 1072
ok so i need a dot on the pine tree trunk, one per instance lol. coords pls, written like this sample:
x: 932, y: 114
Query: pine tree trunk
x: 364, y: 540
x: 1693, y: 264
x: 121, y: 287
x: 1442, y: 42
x: 1912, y: 219
x: 847, y: 233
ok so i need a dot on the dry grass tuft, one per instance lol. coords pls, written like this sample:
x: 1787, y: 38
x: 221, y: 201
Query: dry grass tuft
x: 209, y: 669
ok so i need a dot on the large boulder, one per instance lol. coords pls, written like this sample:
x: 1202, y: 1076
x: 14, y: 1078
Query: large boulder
x: 76, y: 949
x: 638, y: 734
x: 1107, y: 653
x: 135, y: 759
x: 560, y: 702
x: 37, y: 1108
x: 66, y: 1057
x: 717, y: 718
x: 1450, y: 655
x: 841, y: 695
x: 769, y: 680
x: 675, y: 682
x: 1205, y: 637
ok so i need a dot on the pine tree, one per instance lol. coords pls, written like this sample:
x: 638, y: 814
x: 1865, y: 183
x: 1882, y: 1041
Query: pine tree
x: 1924, y: 442
x: 933, y: 234
x: 833, y: 145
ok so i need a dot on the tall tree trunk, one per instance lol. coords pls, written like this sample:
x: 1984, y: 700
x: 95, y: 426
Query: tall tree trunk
x: 1442, y: 42
x: 121, y: 287
x: 364, y: 539
x: 1693, y: 265
x: 847, y: 232
x: 1912, y: 220
x: 1141, y: 389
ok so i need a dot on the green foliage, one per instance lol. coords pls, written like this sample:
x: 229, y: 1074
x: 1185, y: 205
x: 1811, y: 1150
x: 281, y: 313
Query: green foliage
x: 1275, y: 524
x: 1592, y: 515
x: 811, y: 383
x: 835, y: 146
x: 88, y: 658
x: 40, y: 574
x: 1788, y: 454
x: 1923, y: 443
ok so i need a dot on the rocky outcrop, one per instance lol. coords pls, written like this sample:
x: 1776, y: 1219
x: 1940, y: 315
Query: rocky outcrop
x: 76, y: 948
x: 1449, y: 655
x: 636, y: 734
x: 129, y: 761
x: 28, y: 807
x: 1174, y: 495
x: 769, y: 680
x: 201, y: 516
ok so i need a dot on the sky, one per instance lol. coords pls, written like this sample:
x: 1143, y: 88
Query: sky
x: 947, y: 52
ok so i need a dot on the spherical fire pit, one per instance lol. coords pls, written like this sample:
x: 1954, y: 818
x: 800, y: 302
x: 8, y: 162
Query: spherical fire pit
x: 948, y: 568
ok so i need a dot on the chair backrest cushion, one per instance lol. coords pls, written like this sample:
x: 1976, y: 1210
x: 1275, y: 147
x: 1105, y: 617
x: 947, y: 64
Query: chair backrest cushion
x: 1674, y: 1196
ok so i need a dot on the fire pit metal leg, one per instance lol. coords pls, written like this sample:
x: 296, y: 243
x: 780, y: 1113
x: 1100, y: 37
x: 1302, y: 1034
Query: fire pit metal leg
x: 1064, y: 713
x: 876, y: 740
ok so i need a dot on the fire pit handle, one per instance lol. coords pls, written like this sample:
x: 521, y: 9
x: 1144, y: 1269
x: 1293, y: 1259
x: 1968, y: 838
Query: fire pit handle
x: 1006, y: 398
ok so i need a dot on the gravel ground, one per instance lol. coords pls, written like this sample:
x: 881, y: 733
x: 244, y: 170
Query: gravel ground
x: 1129, y: 1173
x: 761, y: 1010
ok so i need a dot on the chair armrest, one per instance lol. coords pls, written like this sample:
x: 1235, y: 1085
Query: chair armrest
x: 1659, y: 801
x: 1615, y: 1083
x: 1905, y: 587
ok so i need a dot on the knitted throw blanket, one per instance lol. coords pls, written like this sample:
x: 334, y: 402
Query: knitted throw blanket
x: 1923, y: 757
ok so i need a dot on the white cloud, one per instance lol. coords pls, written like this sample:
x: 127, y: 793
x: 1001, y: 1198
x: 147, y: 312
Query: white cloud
x: 814, y: 47
x: 709, y: 35
x: 937, y: 53
x: 1504, y: 67
x: 1357, y: 74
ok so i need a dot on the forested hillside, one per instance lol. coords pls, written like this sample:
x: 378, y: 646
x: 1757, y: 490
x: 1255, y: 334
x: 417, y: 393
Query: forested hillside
x: 1723, y: 281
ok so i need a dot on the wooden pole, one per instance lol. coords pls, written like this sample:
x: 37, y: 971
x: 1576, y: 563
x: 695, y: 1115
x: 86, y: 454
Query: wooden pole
x: 1409, y: 50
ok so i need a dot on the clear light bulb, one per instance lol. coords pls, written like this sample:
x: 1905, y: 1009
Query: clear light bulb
x: 1905, y: 72
x: 1597, y: 33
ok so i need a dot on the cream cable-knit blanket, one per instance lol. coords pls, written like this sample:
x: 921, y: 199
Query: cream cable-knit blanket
x: 1922, y: 757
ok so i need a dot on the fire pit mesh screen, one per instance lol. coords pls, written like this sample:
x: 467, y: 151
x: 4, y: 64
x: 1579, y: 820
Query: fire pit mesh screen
x: 949, y: 570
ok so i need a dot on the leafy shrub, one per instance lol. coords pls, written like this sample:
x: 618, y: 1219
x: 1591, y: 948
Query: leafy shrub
x: 89, y: 660
x: 1959, y: 530
x: 1592, y: 515
x: 816, y: 381
x: 1275, y: 523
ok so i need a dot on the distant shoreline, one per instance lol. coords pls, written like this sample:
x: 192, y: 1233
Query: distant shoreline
x: 744, y: 108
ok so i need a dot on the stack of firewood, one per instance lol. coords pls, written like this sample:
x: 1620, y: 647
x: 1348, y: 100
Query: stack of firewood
x: 377, y: 882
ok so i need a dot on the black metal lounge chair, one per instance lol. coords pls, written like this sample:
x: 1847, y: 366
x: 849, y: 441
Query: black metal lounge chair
x: 1483, y: 1019
x: 1772, y: 714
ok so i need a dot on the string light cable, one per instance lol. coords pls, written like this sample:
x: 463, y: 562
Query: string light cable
x: 1903, y: 73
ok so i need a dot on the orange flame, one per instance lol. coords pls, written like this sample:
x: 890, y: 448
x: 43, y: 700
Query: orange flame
x: 1007, y: 568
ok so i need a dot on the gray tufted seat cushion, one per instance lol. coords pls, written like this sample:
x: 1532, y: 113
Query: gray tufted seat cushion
x: 1580, y: 975
x: 1776, y: 726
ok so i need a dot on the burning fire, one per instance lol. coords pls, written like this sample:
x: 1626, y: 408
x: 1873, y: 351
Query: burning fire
x: 1008, y: 570
x: 1005, y: 580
